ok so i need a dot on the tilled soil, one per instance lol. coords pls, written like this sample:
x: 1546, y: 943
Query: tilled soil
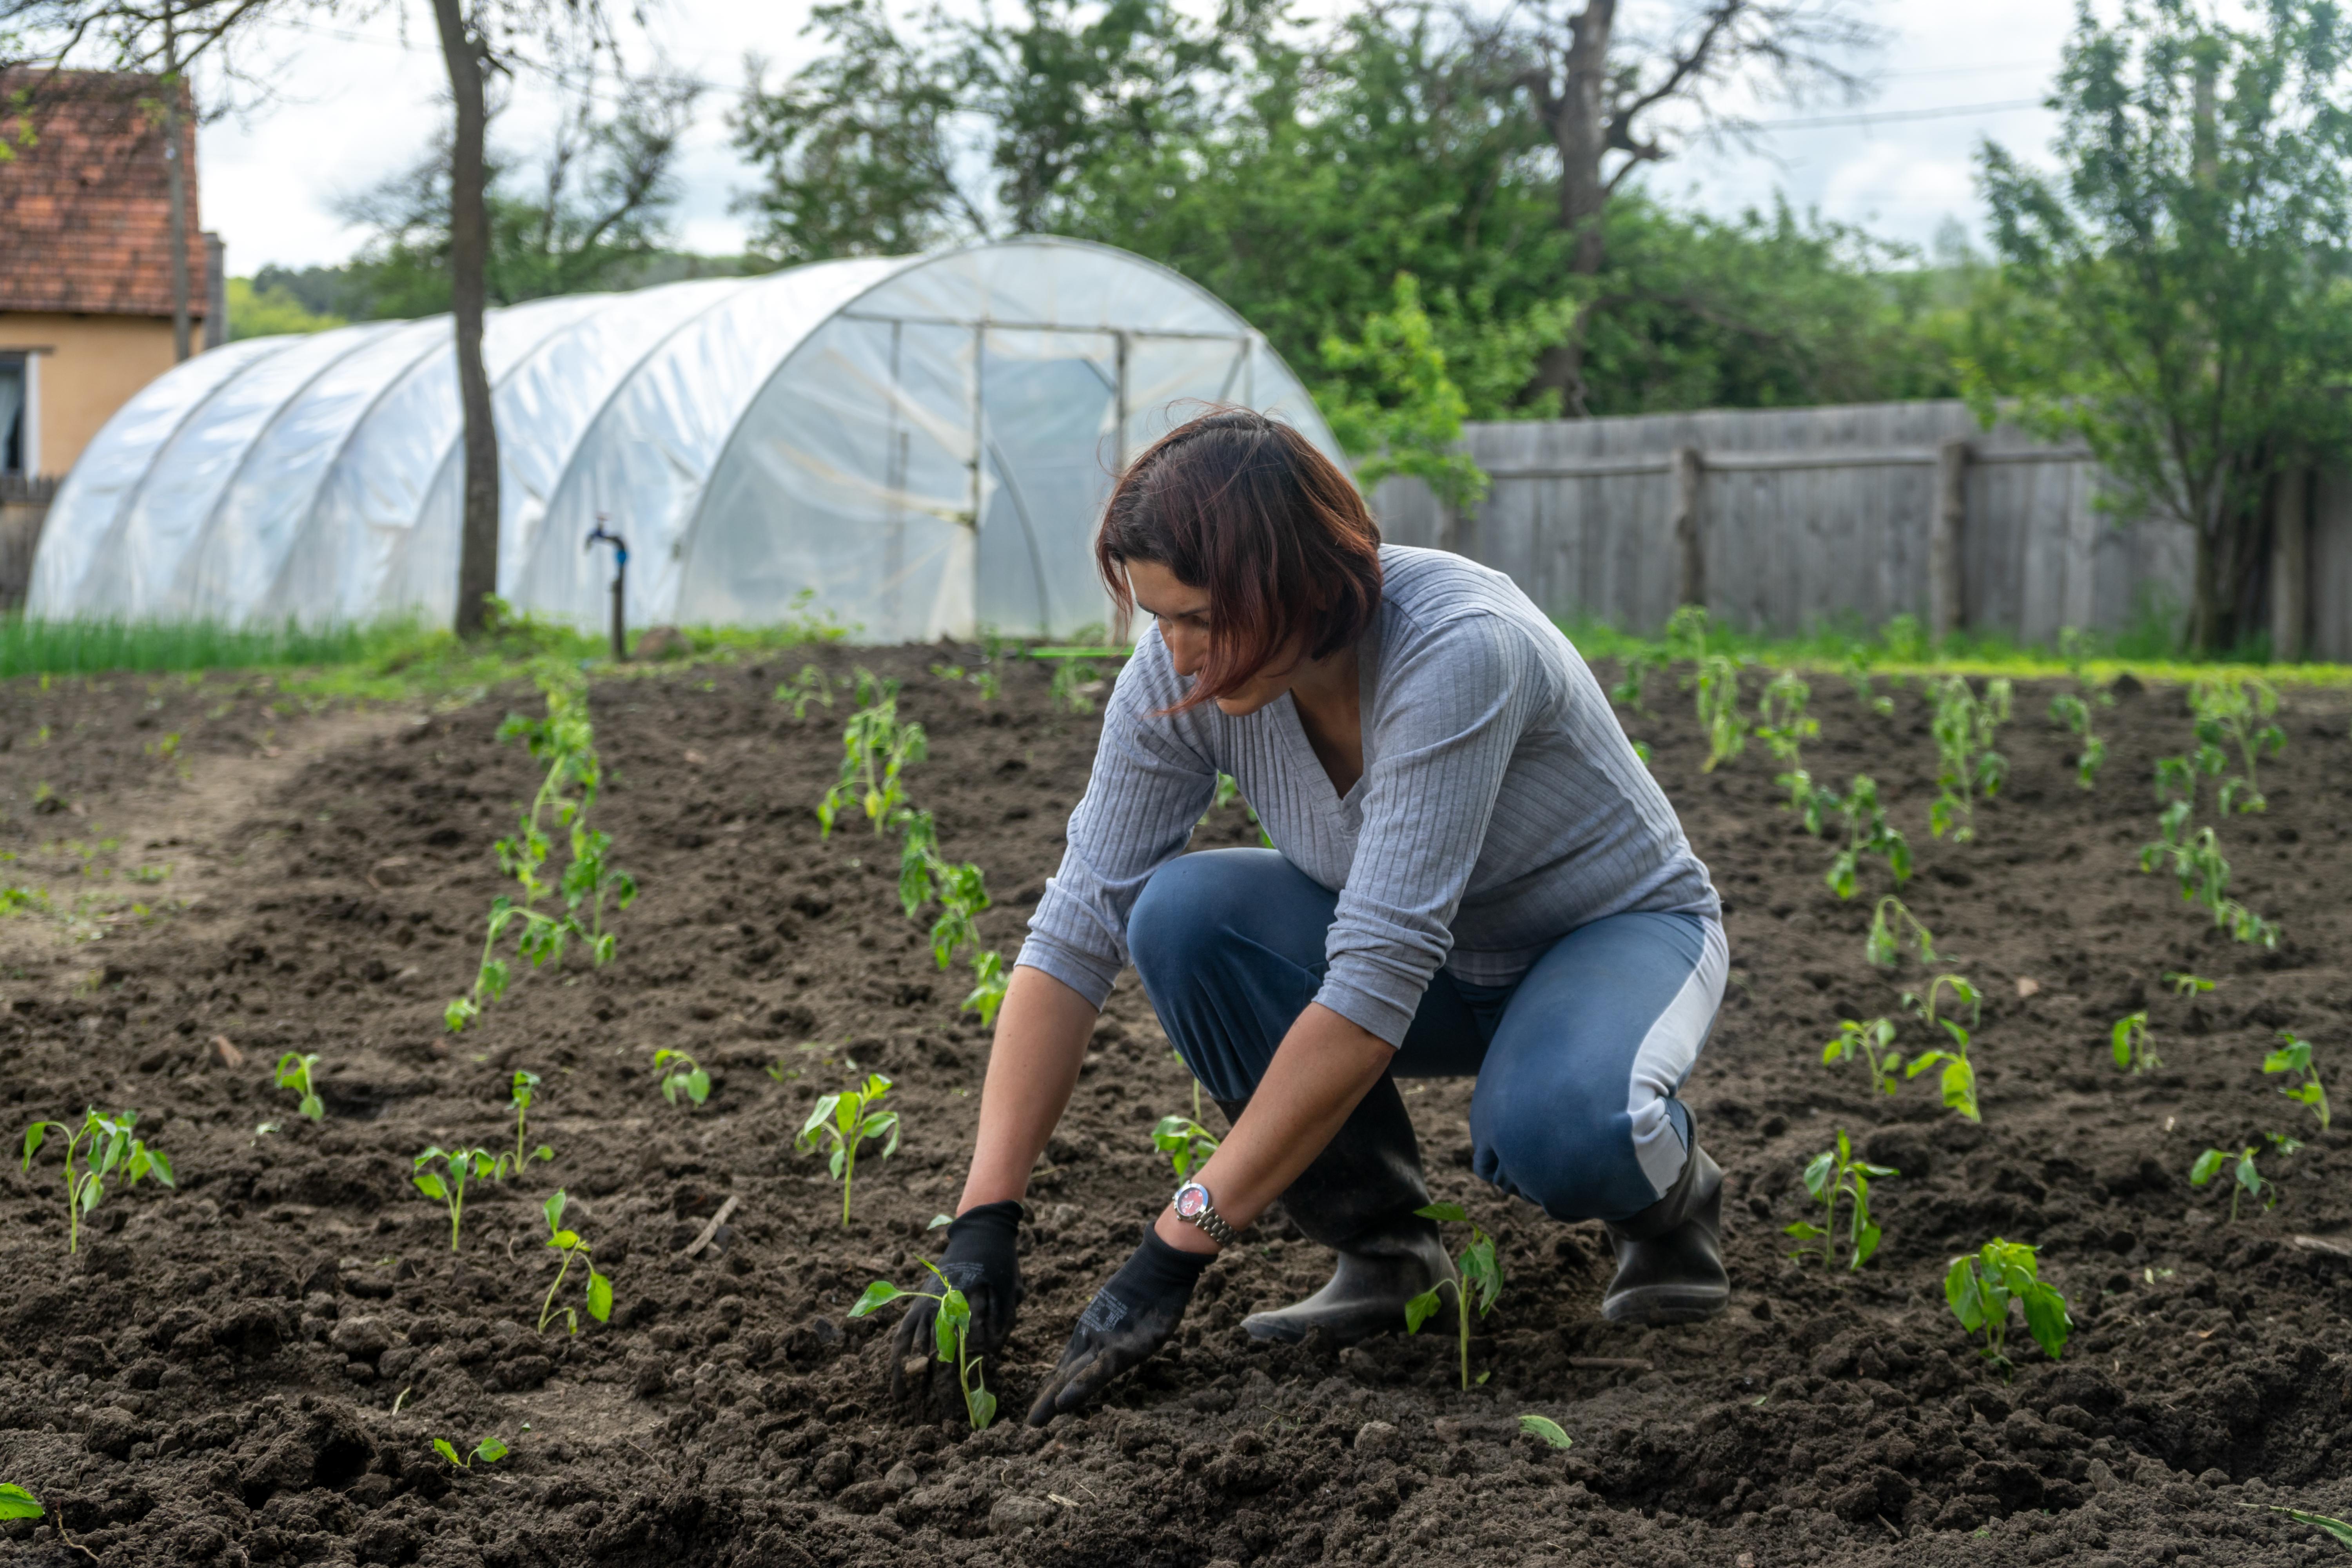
x: 251, y: 1369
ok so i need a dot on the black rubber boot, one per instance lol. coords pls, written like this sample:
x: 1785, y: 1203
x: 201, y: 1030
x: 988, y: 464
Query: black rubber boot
x: 1670, y: 1257
x: 1357, y: 1198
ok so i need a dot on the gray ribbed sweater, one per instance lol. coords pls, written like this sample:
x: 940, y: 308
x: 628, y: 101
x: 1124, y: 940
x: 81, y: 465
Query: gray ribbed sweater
x: 1500, y: 807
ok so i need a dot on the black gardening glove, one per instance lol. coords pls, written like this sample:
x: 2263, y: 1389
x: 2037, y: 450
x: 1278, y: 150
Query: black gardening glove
x: 1128, y: 1319
x: 980, y: 1262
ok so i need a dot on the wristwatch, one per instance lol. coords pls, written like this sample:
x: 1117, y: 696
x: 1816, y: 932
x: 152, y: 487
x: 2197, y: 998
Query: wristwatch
x: 1193, y: 1207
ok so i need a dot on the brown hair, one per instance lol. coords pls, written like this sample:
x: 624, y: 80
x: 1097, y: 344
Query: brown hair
x: 1244, y: 507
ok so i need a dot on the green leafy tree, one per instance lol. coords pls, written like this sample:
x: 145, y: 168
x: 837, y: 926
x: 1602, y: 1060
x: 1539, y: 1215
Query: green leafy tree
x: 1408, y: 418
x: 2182, y: 279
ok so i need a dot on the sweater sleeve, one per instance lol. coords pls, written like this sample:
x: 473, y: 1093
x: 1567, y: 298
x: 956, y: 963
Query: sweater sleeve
x: 1451, y: 713
x: 1153, y: 779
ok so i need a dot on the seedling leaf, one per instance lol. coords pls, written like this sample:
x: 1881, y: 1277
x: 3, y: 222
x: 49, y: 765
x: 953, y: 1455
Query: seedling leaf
x: 1545, y: 1428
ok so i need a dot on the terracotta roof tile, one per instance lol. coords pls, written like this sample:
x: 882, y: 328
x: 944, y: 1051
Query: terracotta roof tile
x: 85, y: 206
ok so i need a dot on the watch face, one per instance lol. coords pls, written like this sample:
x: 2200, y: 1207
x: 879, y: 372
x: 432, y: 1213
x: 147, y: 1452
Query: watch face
x: 1192, y: 1199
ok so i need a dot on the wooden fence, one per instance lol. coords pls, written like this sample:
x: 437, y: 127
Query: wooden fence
x: 1782, y: 519
x: 24, y: 504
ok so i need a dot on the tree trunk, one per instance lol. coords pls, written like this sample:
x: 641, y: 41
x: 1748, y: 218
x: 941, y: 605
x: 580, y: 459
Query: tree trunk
x: 1579, y: 132
x: 469, y: 226
x: 176, y: 179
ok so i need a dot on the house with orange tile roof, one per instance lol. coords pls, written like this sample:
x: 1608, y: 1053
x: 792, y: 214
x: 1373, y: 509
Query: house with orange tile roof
x: 86, y: 268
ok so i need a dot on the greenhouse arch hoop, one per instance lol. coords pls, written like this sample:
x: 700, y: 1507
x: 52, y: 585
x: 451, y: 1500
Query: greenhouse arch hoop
x: 918, y: 446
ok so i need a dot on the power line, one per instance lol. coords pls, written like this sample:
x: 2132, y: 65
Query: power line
x: 1891, y: 116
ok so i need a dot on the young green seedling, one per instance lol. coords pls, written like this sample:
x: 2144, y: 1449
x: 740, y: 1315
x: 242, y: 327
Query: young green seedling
x: 1074, y: 681
x: 2195, y: 857
x: 1867, y: 833
x: 1185, y: 1141
x: 1633, y: 677
x: 1545, y: 1428
x: 489, y: 1450
x: 950, y: 1337
x: 449, y: 1187
x: 2244, y: 1177
x: 568, y: 1246
x: 681, y: 1074
x: 518, y: 1091
x: 2233, y: 712
x: 1716, y: 679
x: 2074, y: 713
x: 847, y: 1120
x: 962, y: 891
x: 1831, y: 1174
x: 1966, y: 767
x: 1784, y: 727
x: 1959, y: 1076
x: 1873, y: 1044
x: 16, y: 1502
x: 984, y: 679
x: 876, y: 749
x: 1888, y: 922
x: 2133, y: 1044
x: 565, y: 742
x: 1855, y: 666
x: 2295, y: 1056
x: 2185, y: 985
x: 1481, y: 1280
x: 809, y: 686
x: 105, y: 1145
x: 294, y: 1073
x: 1980, y: 1285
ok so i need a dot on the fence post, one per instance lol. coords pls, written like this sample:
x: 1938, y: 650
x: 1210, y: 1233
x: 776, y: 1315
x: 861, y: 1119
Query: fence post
x: 1947, y: 516
x: 2291, y: 565
x: 1682, y: 513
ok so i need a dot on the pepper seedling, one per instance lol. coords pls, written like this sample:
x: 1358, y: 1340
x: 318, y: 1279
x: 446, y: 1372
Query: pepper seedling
x: 681, y: 1074
x: 2234, y: 711
x: 449, y: 1187
x: 847, y: 1120
x: 2074, y: 713
x: 1481, y: 1276
x: 568, y: 1246
x: 2185, y: 985
x: 2244, y: 1177
x: 1873, y: 1044
x: 1831, y: 1174
x: 518, y: 1094
x: 950, y: 1337
x: 489, y: 1450
x: 1545, y: 1428
x: 105, y: 1144
x: 1967, y: 766
x: 924, y: 874
x: 809, y: 686
x: 1185, y: 1141
x: 1867, y: 833
x: 1716, y: 678
x: 876, y: 749
x: 2295, y: 1056
x: 16, y: 1502
x: 1783, y: 725
x: 294, y: 1073
x: 1888, y: 924
x: 2133, y: 1044
x: 1959, y: 1079
x: 1980, y: 1285
x: 565, y: 742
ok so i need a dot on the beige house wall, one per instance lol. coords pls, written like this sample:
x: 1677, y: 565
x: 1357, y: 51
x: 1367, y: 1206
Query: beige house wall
x: 88, y: 367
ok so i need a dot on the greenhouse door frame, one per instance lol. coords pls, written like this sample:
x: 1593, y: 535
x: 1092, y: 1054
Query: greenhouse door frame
x: 1123, y: 339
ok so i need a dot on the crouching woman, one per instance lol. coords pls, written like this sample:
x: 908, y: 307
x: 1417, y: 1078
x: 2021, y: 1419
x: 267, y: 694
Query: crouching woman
x: 1473, y: 876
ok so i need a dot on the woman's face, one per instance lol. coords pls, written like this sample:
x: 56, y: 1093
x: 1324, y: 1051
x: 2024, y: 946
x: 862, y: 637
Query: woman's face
x: 1182, y: 612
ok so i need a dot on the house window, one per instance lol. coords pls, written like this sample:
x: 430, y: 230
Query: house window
x: 13, y: 380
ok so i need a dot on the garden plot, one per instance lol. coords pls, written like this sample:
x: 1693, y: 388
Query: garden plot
x: 264, y: 1362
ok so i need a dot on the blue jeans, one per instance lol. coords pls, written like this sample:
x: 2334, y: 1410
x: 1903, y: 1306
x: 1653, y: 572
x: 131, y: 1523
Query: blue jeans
x: 1577, y: 1063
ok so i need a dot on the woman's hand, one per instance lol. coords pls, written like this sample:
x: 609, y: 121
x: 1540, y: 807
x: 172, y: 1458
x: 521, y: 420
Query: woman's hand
x: 982, y: 1262
x: 1128, y: 1319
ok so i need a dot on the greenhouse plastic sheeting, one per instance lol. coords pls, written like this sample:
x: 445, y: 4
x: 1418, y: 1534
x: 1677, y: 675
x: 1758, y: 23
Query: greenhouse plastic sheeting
x: 918, y: 446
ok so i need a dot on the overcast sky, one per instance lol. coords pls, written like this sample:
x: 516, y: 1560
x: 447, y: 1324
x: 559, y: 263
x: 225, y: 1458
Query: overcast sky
x: 357, y: 97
